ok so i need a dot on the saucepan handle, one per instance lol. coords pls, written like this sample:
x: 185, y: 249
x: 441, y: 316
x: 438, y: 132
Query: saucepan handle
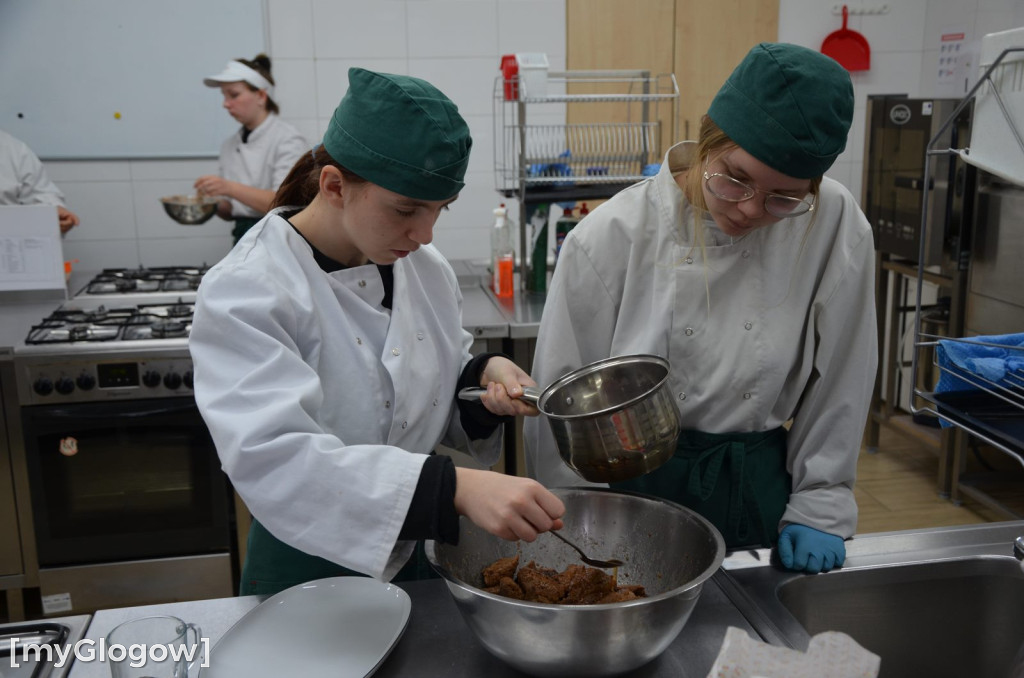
x: 530, y: 394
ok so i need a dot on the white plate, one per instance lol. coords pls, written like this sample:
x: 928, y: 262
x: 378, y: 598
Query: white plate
x: 342, y: 627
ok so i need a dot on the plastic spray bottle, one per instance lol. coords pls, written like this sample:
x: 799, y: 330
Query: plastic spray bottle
x: 503, y: 255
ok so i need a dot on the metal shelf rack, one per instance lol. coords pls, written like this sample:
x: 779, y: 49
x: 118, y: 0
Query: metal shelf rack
x: 992, y: 411
x: 541, y: 158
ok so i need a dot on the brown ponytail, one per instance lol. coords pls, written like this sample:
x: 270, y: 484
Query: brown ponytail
x: 303, y: 181
x: 261, y: 64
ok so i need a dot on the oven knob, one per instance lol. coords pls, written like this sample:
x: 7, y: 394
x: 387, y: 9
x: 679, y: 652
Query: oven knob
x: 43, y: 386
x: 65, y: 385
x: 151, y: 379
x: 172, y: 380
x: 86, y: 382
x: 188, y: 379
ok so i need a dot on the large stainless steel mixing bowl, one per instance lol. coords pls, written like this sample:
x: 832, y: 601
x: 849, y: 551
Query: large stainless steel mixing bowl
x: 190, y: 210
x: 668, y: 549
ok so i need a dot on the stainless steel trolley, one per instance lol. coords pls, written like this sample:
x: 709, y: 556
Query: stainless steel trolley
x: 539, y: 157
x: 987, y: 408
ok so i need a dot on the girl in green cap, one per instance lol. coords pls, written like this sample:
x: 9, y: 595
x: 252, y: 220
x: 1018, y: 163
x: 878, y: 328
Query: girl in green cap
x: 328, y: 350
x: 753, y: 275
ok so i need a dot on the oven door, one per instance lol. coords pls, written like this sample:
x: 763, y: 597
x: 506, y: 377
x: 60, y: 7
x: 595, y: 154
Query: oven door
x: 124, y: 481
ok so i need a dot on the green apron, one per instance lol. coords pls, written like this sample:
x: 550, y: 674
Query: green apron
x: 242, y: 224
x: 272, y: 566
x: 738, y: 481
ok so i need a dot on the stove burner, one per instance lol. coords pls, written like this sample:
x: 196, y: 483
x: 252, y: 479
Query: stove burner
x: 165, y: 329
x: 79, y: 332
x: 138, y: 323
x: 180, y: 310
x: 163, y: 279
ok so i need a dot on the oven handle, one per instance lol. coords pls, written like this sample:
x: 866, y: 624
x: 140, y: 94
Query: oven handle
x: 124, y: 410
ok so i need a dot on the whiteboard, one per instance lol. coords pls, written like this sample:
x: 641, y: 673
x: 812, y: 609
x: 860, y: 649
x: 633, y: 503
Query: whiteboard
x: 121, y: 78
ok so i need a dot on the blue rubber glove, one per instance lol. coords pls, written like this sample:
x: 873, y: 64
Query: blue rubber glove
x: 806, y: 549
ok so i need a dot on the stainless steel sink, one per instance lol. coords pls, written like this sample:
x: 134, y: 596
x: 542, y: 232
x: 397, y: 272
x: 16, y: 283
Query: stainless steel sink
x: 947, y: 602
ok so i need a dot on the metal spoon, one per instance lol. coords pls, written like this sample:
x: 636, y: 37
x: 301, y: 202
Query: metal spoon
x: 603, y: 564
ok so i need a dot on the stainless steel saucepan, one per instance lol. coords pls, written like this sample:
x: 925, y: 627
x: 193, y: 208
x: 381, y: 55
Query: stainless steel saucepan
x: 612, y: 420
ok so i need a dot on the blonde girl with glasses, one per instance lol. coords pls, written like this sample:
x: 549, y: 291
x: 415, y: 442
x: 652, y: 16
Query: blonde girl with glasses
x: 752, y: 273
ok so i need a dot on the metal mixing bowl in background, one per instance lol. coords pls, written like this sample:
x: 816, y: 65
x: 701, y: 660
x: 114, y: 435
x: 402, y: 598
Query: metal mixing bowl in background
x: 190, y: 210
x: 667, y: 548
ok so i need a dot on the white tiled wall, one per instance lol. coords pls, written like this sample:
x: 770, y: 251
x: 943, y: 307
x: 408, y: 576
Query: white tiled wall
x: 457, y: 45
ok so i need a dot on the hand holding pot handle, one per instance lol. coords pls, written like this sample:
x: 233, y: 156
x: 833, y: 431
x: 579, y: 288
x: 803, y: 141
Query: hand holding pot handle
x: 530, y: 394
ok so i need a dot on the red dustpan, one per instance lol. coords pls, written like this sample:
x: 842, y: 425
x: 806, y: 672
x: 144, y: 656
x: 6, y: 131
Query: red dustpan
x: 848, y: 47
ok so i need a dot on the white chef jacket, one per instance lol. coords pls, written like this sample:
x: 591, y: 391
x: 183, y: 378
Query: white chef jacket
x: 323, y: 404
x: 776, y: 325
x: 23, y: 180
x: 263, y: 160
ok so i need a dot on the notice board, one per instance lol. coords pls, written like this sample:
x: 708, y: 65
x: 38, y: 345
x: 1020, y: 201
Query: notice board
x: 121, y: 78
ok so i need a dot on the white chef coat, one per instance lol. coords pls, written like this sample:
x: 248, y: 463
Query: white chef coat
x: 323, y: 404
x: 23, y: 180
x: 776, y: 325
x: 263, y: 160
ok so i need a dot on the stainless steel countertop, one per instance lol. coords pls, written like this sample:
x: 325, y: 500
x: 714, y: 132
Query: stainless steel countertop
x: 522, y: 311
x: 480, y: 317
x: 437, y: 641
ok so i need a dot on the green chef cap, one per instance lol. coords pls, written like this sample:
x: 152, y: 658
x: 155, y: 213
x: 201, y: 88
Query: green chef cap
x: 400, y: 133
x: 788, y: 106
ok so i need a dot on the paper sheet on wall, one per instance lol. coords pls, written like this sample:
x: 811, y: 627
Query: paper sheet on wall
x: 31, y: 256
x: 958, y: 59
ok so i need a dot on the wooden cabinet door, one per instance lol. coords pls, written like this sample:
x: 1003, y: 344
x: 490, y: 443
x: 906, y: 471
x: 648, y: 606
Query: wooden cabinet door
x: 710, y: 39
x: 700, y: 41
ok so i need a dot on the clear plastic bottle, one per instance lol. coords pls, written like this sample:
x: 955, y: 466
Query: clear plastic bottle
x: 503, y: 255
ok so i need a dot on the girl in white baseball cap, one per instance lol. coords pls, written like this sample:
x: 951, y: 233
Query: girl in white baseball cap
x: 255, y: 159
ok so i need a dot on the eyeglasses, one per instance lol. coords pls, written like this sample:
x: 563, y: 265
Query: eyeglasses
x: 724, y: 187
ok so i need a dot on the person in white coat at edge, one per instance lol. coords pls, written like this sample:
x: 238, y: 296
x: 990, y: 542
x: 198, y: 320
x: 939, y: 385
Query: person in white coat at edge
x: 753, y: 275
x: 328, y: 350
x: 254, y: 160
x: 24, y: 181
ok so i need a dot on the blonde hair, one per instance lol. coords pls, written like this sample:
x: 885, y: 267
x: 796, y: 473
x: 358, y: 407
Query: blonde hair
x: 713, y: 141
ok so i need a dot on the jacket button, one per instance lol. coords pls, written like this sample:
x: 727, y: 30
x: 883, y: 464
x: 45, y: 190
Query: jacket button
x: 689, y: 260
x: 682, y: 396
x: 419, y: 335
x: 404, y: 424
x: 395, y: 351
x: 362, y: 283
x: 746, y: 396
x: 387, y: 404
x: 747, y: 326
x: 746, y: 254
x: 688, y: 331
x: 435, y: 402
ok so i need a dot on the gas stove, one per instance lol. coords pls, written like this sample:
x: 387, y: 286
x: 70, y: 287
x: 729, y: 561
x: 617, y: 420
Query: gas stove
x: 103, y: 348
x: 132, y: 281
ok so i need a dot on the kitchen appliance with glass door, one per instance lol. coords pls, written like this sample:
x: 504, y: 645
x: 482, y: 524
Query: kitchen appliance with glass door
x: 129, y: 504
x: 899, y: 129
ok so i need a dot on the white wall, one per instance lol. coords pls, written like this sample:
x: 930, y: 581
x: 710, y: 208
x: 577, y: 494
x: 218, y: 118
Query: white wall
x: 456, y: 44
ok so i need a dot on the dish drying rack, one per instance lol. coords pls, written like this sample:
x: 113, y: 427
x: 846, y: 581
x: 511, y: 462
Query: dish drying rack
x: 539, y: 157
x: 992, y: 411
